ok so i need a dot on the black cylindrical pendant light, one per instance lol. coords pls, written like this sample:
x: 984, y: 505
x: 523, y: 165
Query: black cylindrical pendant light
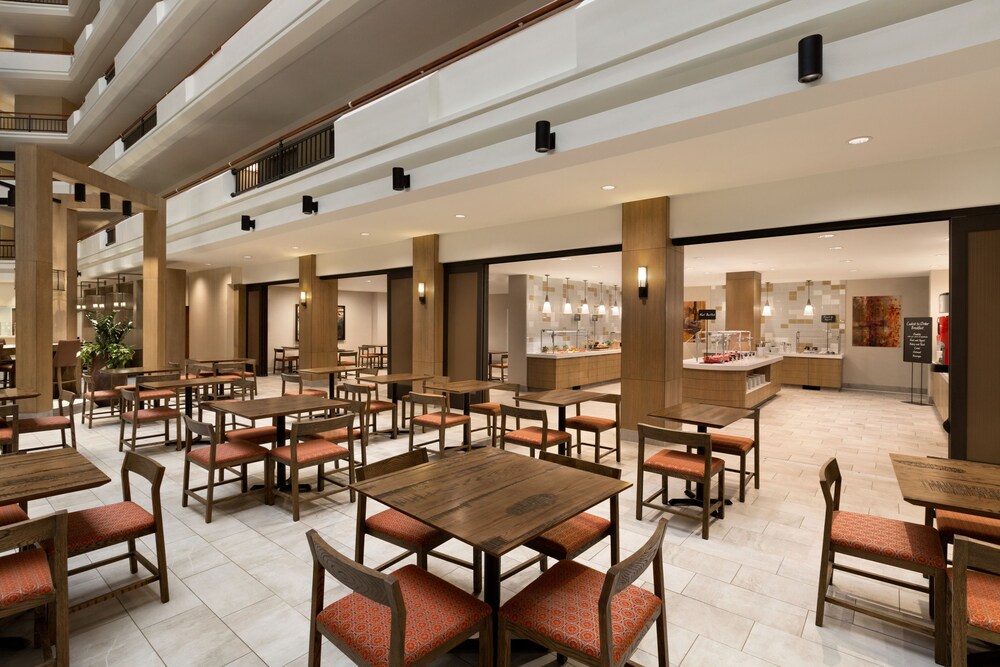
x: 545, y: 138
x: 810, y: 58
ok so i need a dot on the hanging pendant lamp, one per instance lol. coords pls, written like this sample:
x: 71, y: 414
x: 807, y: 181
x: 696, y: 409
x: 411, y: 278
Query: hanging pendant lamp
x: 546, y: 306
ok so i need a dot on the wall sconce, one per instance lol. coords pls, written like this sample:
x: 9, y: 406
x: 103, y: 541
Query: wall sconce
x: 546, y: 306
x: 247, y: 224
x: 808, y: 310
x: 127, y: 208
x: 643, y: 282
x: 400, y: 179
x: 567, y: 306
x: 309, y: 205
x: 79, y: 192
x: 105, y: 201
x: 767, y: 301
x: 109, y: 235
x: 545, y: 138
x: 810, y: 58
x: 422, y: 293
x: 303, y: 298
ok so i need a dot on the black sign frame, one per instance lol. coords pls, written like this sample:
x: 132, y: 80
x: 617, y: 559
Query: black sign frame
x: 918, y: 340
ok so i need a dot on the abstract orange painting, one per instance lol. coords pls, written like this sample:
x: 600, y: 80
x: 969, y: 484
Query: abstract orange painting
x: 877, y: 321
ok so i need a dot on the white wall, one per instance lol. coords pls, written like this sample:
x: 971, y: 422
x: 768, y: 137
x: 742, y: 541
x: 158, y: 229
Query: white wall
x: 360, y: 317
x: 380, y: 320
x: 940, y: 282
x: 497, y: 337
x: 281, y: 300
x: 6, y: 304
x: 211, y: 299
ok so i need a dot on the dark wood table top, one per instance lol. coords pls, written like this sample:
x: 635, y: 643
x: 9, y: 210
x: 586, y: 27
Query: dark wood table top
x: 561, y: 397
x: 231, y: 360
x: 37, y: 475
x: 702, y: 414
x: 275, y: 406
x: 463, y: 386
x: 15, y: 394
x: 139, y: 370
x: 491, y: 499
x: 190, y: 382
x: 397, y: 377
x: 949, y: 484
x: 328, y: 370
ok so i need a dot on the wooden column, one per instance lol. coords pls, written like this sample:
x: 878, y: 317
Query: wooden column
x: 318, y: 318
x: 33, y: 276
x: 743, y: 303
x: 154, y: 286
x: 175, y: 329
x: 651, y: 327
x: 240, y: 322
x: 72, y: 291
x: 428, y: 317
x: 59, y: 255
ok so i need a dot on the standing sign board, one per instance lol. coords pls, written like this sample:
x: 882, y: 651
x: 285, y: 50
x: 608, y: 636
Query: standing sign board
x: 917, y: 348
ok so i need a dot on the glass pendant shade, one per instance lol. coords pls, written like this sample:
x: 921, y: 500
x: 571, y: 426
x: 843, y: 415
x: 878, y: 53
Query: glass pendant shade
x: 585, y: 307
x: 546, y: 306
x: 567, y: 306
x: 767, y: 310
x: 808, y: 311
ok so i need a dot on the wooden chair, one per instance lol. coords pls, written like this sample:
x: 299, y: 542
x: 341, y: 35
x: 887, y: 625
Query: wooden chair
x: 442, y: 420
x: 358, y: 434
x: 307, y: 449
x: 667, y: 463
x: 65, y: 362
x: 347, y: 357
x: 593, y: 618
x: 908, y: 546
x: 291, y: 359
x: 92, y: 397
x: 9, y: 434
x: 60, y: 422
x: 368, y: 356
x: 297, y: 386
x: 153, y: 395
x: 34, y: 578
x: 371, y: 407
x: 278, y: 362
x: 218, y: 457
x: 959, y: 524
x: 975, y: 593
x: 394, y: 527
x: 741, y: 446
x: 136, y: 417
x: 491, y: 410
x: 427, y: 616
x: 96, y: 528
x: 7, y: 365
x: 533, y: 437
x: 500, y: 366
x: 597, y: 425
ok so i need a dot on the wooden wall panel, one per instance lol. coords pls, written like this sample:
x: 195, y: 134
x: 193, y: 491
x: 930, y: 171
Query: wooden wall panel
x: 743, y: 303
x: 70, y: 242
x: 175, y: 326
x: 983, y: 354
x: 400, y: 296
x: 428, y: 317
x: 154, y: 287
x: 463, y: 326
x: 318, y: 319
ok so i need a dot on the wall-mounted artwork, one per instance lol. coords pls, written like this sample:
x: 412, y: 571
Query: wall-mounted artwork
x: 877, y: 321
x: 341, y: 326
x: 692, y: 325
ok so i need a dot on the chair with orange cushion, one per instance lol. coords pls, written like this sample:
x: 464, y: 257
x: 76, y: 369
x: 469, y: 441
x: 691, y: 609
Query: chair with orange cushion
x: 12, y: 513
x: 152, y: 395
x: 394, y: 527
x: 533, y: 437
x: 491, y: 410
x: 741, y: 446
x: 358, y: 434
x: 137, y: 417
x: 667, y: 463
x: 292, y: 385
x: 60, y: 422
x: 371, y: 405
x: 219, y: 456
x: 96, y: 528
x: 93, y: 396
x: 594, y: 618
x: 954, y: 524
x: 409, y: 617
x: 975, y: 597
x: 442, y: 420
x: 307, y: 449
x: 9, y: 436
x: 908, y: 546
x: 33, y: 578
x: 597, y: 425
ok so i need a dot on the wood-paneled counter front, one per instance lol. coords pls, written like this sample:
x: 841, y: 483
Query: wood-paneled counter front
x: 563, y: 370
x: 813, y: 370
x: 727, y: 384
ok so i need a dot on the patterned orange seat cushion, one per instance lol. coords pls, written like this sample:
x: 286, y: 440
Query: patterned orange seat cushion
x: 571, y: 535
x: 436, y: 418
x: 532, y: 436
x: 258, y: 435
x: 307, y: 392
x: 129, y: 387
x: 228, y: 453
x: 310, y: 451
x: 436, y: 611
x: 12, y: 514
x: 157, y: 394
x: 6, y: 434
x: 485, y: 408
x: 24, y: 576
x: 671, y: 461
x: 950, y: 524
x: 562, y: 604
x: 102, y: 394
x: 731, y: 444
x: 47, y: 423
x: 589, y: 423
x: 105, y: 525
x: 398, y: 525
x: 380, y: 406
x: 982, y: 599
x: 151, y: 414
x: 339, y: 435
x: 902, y: 540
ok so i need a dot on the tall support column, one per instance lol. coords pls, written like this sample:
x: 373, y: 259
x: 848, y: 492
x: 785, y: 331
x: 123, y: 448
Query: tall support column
x: 60, y: 319
x: 72, y: 238
x: 317, y: 318
x: 428, y: 317
x: 154, y: 286
x: 651, y: 327
x: 33, y: 276
x: 743, y: 303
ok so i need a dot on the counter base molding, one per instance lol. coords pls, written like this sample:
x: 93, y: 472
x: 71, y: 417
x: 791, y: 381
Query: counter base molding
x: 564, y: 371
x: 737, y: 385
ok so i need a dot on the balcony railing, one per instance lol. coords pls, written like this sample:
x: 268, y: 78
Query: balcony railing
x: 31, y: 122
x: 285, y: 159
x: 42, y: 2
x: 6, y: 250
x: 139, y: 129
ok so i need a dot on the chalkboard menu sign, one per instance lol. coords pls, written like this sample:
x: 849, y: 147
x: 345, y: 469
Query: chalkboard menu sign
x: 917, y: 346
x: 828, y: 319
x: 706, y: 314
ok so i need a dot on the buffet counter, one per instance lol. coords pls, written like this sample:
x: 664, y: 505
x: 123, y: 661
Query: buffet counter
x: 739, y: 384
x: 813, y: 369
x: 563, y: 370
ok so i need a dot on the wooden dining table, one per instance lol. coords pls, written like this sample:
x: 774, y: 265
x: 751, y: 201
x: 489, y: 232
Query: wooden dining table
x: 35, y: 475
x: 329, y: 372
x: 188, y: 385
x: 562, y: 399
x: 16, y: 394
x: 392, y: 382
x: 948, y: 484
x: 492, y: 500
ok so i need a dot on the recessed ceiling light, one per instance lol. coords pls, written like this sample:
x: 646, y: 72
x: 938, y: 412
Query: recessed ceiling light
x: 857, y: 141
x: 595, y: 266
x: 295, y: 247
x: 826, y: 236
x: 846, y: 261
x: 771, y: 269
x: 942, y: 254
x: 247, y: 256
x: 757, y: 263
x: 565, y: 259
x: 853, y: 271
x: 697, y: 258
x: 836, y: 247
x: 365, y: 234
x: 607, y: 188
x: 369, y: 281
x: 208, y: 265
x: 459, y: 215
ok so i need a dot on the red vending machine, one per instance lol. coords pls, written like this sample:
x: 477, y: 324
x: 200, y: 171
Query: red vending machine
x: 942, y: 340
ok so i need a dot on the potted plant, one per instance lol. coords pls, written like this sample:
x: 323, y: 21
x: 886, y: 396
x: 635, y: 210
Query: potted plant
x: 107, y: 349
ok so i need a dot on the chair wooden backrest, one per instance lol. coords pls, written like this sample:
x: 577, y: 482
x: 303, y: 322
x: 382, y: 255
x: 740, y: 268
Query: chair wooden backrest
x: 45, y: 529
x: 830, y: 481
x: 614, y: 399
x: 372, y: 584
x: 204, y: 430
x: 361, y: 393
x: 291, y: 378
x: 68, y: 398
x: 392, y: 464
x: 519, y: 413
x: 159, y: 377
x: 580, y: 464
x: 230, y: 368
x: 439, y: 401
x: 976, y: 555
x: 306, y: 428
x: 152, y: 471
x: 130, y: 398
x: 8, y: 413
x: 669, y: 436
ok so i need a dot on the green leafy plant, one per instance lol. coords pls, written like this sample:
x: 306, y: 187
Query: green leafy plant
x: 107, y: 350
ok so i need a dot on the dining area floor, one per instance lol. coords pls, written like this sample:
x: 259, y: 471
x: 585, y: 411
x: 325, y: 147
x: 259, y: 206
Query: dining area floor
x: 240, y: 586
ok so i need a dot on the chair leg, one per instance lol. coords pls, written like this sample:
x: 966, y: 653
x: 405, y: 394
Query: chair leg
x: 662, y: 641
x: 597, y: 447
x: 467, y: 434
x: 395, y: 426
x: 186, y: 483
x: 939, y: 585
x: 133, y: 564
x: 722, y: 494
x: 743, y: 477
x: 294, y: 478
x: 422, y: 559
x: 503, y: 644
x: 618, y: 444
x: 161, y: 565
x: 121, y: 435
x: 638, y: 494
x: 825, y: 575
x: 477, y: 571
x: 210, y: 495
x: 706, y: 508
x: 486, y: 643
x: 268, y: 482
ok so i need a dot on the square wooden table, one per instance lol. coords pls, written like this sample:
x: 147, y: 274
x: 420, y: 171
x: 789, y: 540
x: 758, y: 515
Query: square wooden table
x: 35, y: 475
x: 463, y: 388
x: 15, y: 394
x: 492, y: 500
x: 949, y: 484
x: 561, y: 398
x: 331, y: 372
x: 188, y: 386
x: 394, y: 379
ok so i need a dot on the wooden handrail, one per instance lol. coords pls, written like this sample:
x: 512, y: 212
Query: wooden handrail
x: 17, y: 50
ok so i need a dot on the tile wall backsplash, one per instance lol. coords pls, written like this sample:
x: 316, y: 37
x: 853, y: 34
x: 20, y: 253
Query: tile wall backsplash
x: 607, y: 327
x: 788, y: 300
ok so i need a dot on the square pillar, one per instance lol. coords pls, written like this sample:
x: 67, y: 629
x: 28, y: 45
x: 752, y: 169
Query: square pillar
x: 154, y: 286
x: 743, y: 303
x: 317, y: 318
x: 428, y: 317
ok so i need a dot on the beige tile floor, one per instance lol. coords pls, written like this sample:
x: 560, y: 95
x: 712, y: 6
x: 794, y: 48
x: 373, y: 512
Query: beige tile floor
x: 239, y: 587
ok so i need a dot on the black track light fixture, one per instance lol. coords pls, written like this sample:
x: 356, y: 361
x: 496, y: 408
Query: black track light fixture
x: 109, y: 236
x: 247, y: 224
x: 127, y: 208
x: 105, y: 201
x: 309, y: 205
x: 545, y: 138
x: 400, y: 179
x: 810, y: 58
x: 79, y: 192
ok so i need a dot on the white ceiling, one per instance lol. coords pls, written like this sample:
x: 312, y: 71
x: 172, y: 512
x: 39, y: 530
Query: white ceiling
x: 374, y: 283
